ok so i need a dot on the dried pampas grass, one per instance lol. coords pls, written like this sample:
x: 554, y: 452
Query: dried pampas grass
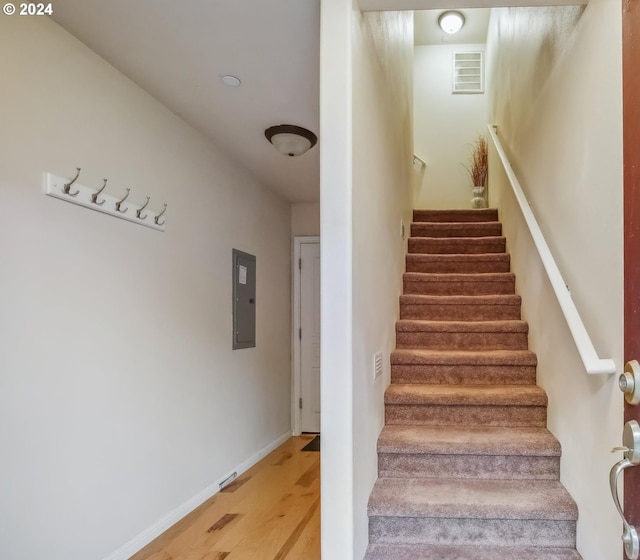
x: 479, y: 163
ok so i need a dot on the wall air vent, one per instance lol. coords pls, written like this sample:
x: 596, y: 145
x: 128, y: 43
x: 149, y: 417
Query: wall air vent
x: 377, y: 365
x: 468, y: 72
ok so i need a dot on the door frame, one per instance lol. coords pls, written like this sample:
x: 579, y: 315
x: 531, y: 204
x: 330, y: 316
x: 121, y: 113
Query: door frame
x: 296, y: 347
x: 631, y: 155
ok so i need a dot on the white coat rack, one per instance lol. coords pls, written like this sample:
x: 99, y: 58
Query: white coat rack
x: 92, y: 198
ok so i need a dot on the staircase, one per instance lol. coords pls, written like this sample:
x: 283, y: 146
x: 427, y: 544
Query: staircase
x: 466, y: 467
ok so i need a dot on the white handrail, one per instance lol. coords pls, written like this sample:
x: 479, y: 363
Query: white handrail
x: 416, y: 158
x: 592, y: 363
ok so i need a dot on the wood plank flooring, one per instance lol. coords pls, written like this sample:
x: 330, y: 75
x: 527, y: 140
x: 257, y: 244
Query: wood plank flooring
x: 271, y: 512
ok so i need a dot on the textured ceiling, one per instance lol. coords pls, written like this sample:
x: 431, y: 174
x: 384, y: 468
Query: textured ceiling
x: 428, y: 32
x: 177, y: 51
x: 382, y: 5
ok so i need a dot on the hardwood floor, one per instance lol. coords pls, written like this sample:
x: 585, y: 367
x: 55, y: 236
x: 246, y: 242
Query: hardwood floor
x: 271, y: 512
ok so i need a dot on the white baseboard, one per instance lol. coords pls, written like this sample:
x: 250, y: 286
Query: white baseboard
x: 141, y: 540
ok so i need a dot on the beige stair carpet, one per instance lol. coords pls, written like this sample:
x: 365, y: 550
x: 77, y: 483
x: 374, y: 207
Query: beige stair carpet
x: 466, y: 467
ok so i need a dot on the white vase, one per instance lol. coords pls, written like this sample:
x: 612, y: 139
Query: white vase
x: 478, y: 200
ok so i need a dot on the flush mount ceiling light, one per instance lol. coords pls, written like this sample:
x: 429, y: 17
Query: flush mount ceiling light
x: 291, y: 140
x: 231, y: 81
x: 451, y: 22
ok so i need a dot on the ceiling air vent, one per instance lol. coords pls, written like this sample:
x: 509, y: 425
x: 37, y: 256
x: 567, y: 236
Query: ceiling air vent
x: 468, y: 73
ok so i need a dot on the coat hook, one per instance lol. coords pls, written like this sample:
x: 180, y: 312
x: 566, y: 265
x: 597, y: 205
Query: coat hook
x: 67, y: 186
x: 139, y: 211
x: 94, y: 196
x: 121, y: 201
x: 157, y: 218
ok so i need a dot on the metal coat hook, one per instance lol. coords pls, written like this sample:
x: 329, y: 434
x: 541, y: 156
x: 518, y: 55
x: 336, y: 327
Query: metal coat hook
x: 99, y: 198
x: 67, y: 186
x: 157, y: 218
x: 94, y: 196
x: 139, y: 211
x: 119, y: 203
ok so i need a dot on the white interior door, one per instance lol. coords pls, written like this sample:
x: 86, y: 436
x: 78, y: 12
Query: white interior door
x: 310, y: 337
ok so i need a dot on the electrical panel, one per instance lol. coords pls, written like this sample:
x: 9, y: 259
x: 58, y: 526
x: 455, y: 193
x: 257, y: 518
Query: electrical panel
x: 244, y: 300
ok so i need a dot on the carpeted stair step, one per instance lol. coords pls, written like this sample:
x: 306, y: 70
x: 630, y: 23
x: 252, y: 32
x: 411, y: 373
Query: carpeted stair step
x: 420, y: 283
x: 456, y: 229
x: 472, y: 512
x: 456, y: 245
x: 460, y: 308
x: 385, y: 551
x: 465, y: 405
x: 467, y: 469
x: 467, y: 264
x: 462, y: 335
x: 479, y: 215
x: 468, y: 452
x: 485, y: 367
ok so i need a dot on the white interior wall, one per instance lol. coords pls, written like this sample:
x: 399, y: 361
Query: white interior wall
x: 382, y: 158
x: 557, y: 103
x: 120, y: 396
x: 445, y: 126
x: 305, y: 219
x: 365, y: 192
x: 336, y: 380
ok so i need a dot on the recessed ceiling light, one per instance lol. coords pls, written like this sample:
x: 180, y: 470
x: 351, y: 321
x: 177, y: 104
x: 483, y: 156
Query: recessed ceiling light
x: 231, y: 81
x: 451, y: 22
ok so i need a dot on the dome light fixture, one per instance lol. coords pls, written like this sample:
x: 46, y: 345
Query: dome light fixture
x: 451, y: 22
x: 291, y: 140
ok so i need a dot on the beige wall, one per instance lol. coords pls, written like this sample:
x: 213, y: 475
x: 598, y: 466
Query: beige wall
x: 381, y: 190
x: 366, y: 67
x: 445, y: 126
x: 556, y: 100
x: 336, y: 382
x: 120, y: 396
x: 305, y: 219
